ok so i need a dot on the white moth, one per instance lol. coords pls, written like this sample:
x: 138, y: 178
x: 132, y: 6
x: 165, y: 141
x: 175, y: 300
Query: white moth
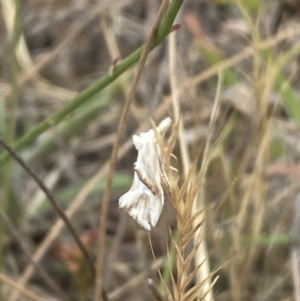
x: 145, y: 199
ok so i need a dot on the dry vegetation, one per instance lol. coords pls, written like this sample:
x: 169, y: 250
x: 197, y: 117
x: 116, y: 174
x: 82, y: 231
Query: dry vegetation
x: 231, y: 218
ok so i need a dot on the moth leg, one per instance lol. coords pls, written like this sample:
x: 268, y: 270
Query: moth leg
x: 147, y: 182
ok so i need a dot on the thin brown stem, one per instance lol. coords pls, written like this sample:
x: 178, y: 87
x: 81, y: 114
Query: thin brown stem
x: 114, y: 156
x: 52, y: 200
x: 15, y: 285
x: 16, y: 236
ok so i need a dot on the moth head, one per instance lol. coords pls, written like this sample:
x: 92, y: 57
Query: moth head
x: 137, y: 141
x: 142, y: 139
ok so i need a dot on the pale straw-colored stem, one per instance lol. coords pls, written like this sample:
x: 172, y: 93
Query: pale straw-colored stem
x: 201, y: 257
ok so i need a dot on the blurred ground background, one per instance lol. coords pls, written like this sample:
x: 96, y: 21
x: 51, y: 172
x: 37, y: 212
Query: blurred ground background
x: 251, y: 187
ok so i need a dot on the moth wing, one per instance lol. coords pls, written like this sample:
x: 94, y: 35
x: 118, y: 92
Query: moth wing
x: 142, y: 205
x: 148, y: 163
x: 144, y: 201
x: 144, y: 209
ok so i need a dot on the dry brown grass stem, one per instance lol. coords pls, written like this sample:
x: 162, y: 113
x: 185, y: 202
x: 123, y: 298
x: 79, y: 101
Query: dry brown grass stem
x: 135, y: 281
x: 59, y: 225
x: 92, y: 13
x: 109, y: 37
x: 16, y: 234
x: 183, y: 198
x: 175, y: 96
x: 114, y: 52
x: 8, y: 13
x: 89, y: 186
x: 256, y: 194
x: 201, y: 255
x: 52, y: 200
x: 20, y: 288
x: 30, y: 70
x: 84, y: 21
x: 114, y: 156
x: 190, y: 209
x: 247, y: 52
x: 78, y: 201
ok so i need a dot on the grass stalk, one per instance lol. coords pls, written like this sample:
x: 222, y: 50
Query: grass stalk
x: 162, y: 32
x: 9, y: 202
x: 162, y: 25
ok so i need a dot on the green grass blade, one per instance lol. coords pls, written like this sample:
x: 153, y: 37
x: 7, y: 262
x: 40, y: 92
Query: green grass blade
x: 58, y: 116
